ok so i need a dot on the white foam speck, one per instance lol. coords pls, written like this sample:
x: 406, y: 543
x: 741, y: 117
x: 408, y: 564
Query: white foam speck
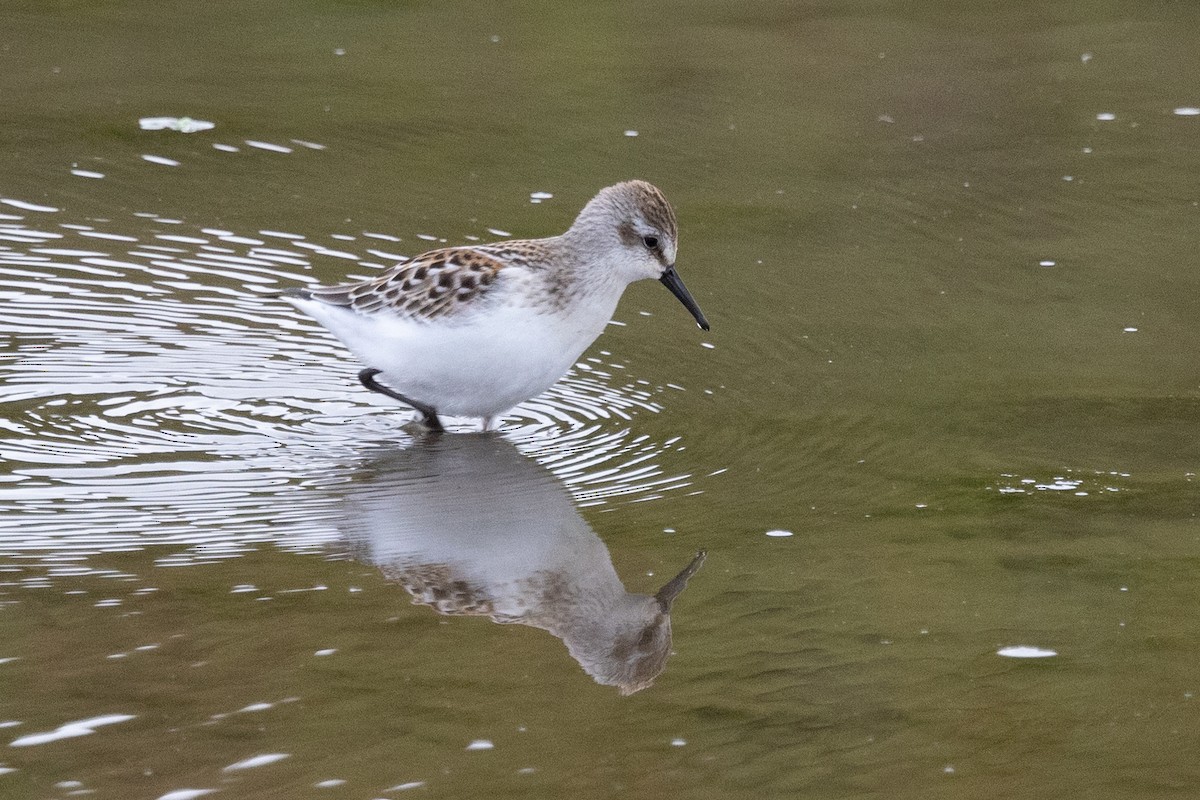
x: 404, y: 787
x: 256, y: 707
x: 1130, y: 330
x: 1187, y: 111
x: 86, y: 173
x: 498, y: 232
x: 8, y: 659
x: 708, y: 345
x: 329, y: 784
x: 226, y: 148
x: 70, y: 730
x: 779, y: 533
x: 1106, y: 116
x: 327, y: 652
x: 678, y: 742
x: 480, y: 744
x: 631, y: 134
x: 166, y: 162
x: 6, y: 770
x: 1025, y: 651
x: 180, y: 124
x: 1046, y: 262
x: 257, y: 761
x: 539, y: 196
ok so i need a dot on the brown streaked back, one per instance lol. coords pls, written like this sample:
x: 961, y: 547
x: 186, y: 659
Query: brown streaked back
x: 429, y: 286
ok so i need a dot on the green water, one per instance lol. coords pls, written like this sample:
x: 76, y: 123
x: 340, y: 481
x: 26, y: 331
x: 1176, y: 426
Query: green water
x: 947, y: 251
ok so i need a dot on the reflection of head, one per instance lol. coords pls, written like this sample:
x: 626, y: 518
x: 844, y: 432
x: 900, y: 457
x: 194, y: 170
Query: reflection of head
x: 513, y: 548
x: 630, y: 658
x: 629, y: 648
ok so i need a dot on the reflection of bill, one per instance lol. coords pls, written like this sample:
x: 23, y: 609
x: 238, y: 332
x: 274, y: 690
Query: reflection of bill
x: 468, y: 525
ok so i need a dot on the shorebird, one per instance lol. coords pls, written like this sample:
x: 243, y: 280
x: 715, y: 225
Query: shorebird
x: 474, y: 330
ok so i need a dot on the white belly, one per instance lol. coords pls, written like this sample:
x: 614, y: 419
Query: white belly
x: 477, y: 367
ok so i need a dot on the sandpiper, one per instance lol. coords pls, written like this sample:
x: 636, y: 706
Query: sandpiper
x: 472, y: 331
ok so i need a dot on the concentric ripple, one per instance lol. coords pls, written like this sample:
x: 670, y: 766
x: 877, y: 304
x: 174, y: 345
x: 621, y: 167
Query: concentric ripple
x: 155, y: 393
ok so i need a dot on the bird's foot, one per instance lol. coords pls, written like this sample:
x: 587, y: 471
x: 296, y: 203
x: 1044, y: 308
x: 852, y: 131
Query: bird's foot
x: 419, y: 427
x: 429, y: 417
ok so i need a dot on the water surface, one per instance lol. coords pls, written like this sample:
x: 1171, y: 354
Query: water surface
x: 947, y: 254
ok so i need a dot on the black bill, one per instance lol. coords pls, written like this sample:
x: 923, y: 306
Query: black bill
x: 672, y: 281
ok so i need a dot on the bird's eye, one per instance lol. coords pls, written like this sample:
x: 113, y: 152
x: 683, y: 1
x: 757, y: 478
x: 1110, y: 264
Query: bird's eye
x: 651, y: 242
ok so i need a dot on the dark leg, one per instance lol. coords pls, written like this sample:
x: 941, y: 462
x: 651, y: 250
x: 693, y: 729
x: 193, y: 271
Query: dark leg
x: 367, y: 378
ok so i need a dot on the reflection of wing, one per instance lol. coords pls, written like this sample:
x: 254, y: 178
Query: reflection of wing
x: 442, y: 589
x: 431, y: 285
x: 434, y: 585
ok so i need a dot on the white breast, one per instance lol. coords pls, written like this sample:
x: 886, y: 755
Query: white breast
x: 475, y: 365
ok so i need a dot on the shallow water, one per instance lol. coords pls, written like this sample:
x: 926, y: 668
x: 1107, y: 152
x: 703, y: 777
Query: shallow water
x: 944, y: 410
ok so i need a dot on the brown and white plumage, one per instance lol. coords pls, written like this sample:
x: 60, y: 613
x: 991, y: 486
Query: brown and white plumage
x: 429, y: 286
x: 475, y: 330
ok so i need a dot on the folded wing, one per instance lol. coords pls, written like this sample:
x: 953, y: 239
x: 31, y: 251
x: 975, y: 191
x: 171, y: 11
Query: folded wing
x: 434, y: 284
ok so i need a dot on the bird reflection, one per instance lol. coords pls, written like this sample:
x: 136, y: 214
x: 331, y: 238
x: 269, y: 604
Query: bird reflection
x: 469, y: 526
